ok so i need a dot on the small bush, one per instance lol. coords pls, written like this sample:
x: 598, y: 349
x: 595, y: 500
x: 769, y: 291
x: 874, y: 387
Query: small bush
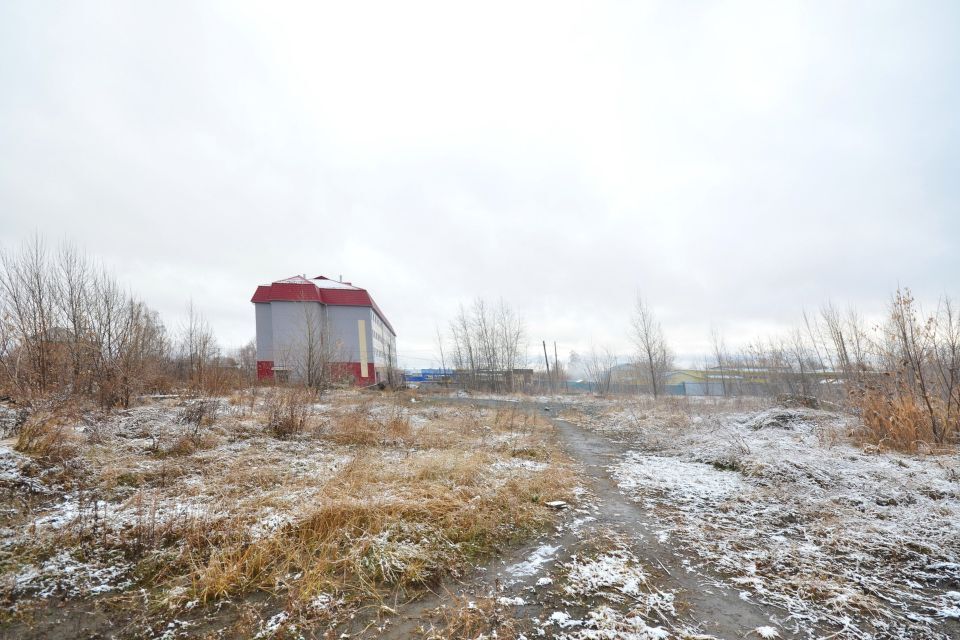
x: 894, y: 421
x: 362, y: 428
x: 48, y: 435
x: 355, y: 427
x: 200, y: 412
x: 287, y: 412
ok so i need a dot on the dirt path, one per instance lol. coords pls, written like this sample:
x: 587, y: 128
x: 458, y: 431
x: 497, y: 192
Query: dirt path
x: 715, y: 610
x: 702, y: 604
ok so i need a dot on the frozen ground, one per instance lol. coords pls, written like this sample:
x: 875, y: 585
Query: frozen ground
x: 716, y: 519
x: 688, y: 520
x: 138, y: 524
x: 781, y: 505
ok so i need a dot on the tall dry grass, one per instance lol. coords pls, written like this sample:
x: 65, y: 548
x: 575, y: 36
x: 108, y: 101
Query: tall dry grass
x: 288, y: 410
x: 360, y: 427
x: 416, y: 495
x: 50, y: 434
x: 897, y: 421
x: 380, y: 527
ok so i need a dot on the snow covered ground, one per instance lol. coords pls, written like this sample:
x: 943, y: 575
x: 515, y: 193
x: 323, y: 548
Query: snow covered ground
x: 146, y: 504
x: 769, y: 513
x: 781, y: 505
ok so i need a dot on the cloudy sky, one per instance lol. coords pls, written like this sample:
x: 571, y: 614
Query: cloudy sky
x: 735, y: 162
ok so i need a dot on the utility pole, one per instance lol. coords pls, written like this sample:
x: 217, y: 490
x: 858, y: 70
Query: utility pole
x: 546, y: 359
x: 556, y: 365
x: 443, y: 364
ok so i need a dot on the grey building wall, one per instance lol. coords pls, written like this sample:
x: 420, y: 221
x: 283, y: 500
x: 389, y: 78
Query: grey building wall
x: 282, y: 328
x: 290, y: 322
x: 384, y: 343
x: 264, y: 331
x: 346, y: 334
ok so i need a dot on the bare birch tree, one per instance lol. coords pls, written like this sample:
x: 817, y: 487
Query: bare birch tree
x: 27, y: 288
x: 721, y: 357
x: 599, y: 366
x: 653, y: 355
x: 198, y: 345
x: 488, y: 343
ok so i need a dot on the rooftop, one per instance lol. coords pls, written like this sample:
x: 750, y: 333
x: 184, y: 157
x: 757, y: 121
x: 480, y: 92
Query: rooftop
x: 320, y: 289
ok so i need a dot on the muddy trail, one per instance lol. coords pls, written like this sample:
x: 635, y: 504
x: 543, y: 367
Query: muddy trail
x: 703, y: 604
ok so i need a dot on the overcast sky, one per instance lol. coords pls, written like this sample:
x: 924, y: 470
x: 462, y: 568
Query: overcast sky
x: 735, y: 162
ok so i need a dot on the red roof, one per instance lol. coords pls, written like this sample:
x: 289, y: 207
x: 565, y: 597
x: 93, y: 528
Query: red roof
x: 299, y: 289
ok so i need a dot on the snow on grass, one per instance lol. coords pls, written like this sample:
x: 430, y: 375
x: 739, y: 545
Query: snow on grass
x: 617, y: 576
x: 63, y: 575
x: 791, y: 514
x: 12, y: 476
x: 605, y: 623
x: 271, y: 627
x: 534, y: 562
x: 152, y: 491
x: 694, y: 484
x: 949, y: 606
x: 520, y: 463
x: 563, y: 620
x: 615, y: 571
x: 10, y: 419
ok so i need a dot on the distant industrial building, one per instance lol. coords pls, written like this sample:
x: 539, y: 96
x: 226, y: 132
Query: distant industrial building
x: 306, y: 323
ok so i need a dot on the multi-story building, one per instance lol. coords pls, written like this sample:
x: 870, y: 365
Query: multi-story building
x: 308, y: 325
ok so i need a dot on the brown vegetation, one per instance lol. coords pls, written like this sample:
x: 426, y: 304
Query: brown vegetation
x: 69, y: 328
x: 205, y: 504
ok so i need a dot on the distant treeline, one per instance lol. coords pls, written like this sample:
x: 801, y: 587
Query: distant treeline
x: 68, y: 328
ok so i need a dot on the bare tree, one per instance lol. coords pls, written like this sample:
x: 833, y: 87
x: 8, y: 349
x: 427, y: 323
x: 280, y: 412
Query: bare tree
x: 70, y: 328
x: 721, y: 357
x: 317, y: 355
x: 27, y: 288
x: 464, y: 348
x: 198, y: 345
x: 73, y: 276
x: 311, y: 355
x: 488, y: 343
x: 652, y: 352
x: 443, y: 361
x: 247, y: 361
x: 914, y: 343
x: 599, y: 366
x: 946, y: 360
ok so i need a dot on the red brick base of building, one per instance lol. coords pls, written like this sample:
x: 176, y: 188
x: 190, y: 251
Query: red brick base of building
x: 342, y: 371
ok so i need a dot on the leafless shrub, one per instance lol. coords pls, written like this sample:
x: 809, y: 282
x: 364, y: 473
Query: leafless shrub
x: 599, y: 368
x: 893, y: 421
x: 68, y: 326
x: 288, y: 411
x: 199, y: 412
x: 49, y: 434
x: 488, y: 343
x: 653, y: 354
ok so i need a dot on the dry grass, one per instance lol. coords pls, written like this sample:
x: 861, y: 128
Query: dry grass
x: 383, y: 524
x: 50, y: 435
x: 287, y: 411
x: 897, y: 421
x: 361, y: 427
x: 471, y: 619
x: 276, y: 498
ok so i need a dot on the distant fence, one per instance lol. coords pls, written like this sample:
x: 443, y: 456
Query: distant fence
x: 691, y: 389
